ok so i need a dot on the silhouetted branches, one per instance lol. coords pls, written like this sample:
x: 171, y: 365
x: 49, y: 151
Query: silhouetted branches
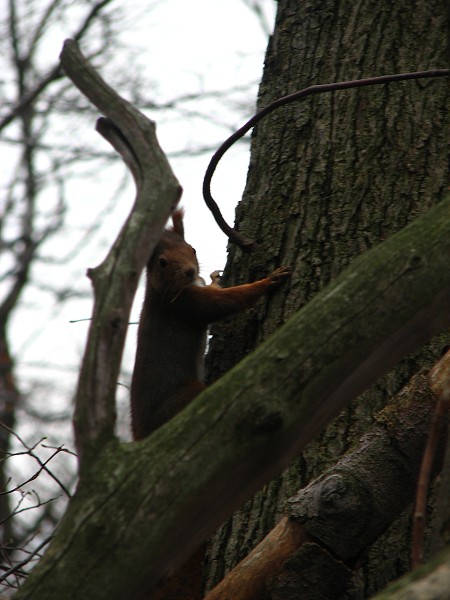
x: 18, y: 553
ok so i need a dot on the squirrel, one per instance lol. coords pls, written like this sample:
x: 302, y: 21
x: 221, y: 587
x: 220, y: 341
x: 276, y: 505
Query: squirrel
x: 171, y: 341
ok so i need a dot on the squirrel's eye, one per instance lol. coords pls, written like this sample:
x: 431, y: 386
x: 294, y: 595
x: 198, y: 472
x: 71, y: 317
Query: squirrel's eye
x: 162, y: 261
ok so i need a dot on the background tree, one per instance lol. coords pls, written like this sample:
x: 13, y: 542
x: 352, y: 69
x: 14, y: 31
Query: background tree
x: 328, y: 179
x: 34, y: 185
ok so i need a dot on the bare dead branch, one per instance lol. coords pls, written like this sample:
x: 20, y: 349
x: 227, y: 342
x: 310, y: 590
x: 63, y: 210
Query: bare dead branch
x: 115, y: 280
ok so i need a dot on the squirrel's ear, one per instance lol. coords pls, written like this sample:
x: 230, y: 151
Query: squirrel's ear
x: 177, y: 220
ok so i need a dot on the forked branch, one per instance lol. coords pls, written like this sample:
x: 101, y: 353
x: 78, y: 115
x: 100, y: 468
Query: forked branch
x: 115, y: 280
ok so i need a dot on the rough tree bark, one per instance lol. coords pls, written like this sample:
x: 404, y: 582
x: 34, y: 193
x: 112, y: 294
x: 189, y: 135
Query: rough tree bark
x: 328, y: 179
x: 140, y: 509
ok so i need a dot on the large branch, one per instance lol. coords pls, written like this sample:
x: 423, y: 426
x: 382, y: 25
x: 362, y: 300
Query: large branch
x: 143, y: 508
x: 368, y: 488
x: 115, y: 280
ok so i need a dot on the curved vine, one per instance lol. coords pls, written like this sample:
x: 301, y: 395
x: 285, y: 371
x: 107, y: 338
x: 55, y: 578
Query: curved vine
x: 235, y: 236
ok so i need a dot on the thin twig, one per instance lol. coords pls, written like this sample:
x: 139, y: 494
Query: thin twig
x: 43, y: 465
x: 437, y: 424
x: 25, y: 561
x: 60, y: 449
x: 39, y: 503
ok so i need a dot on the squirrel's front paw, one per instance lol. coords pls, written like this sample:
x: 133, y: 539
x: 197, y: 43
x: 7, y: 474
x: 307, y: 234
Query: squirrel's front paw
x: 215, y: 278
x: 279, y: 275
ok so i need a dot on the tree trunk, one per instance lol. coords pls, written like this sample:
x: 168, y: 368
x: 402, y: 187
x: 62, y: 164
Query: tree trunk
x: 9, y: 397
x: 329, y: 178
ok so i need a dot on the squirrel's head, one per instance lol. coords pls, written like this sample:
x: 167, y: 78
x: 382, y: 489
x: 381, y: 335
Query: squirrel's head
x: 173, y: 265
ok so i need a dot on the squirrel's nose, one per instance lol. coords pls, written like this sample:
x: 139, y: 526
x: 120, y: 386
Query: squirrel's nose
x: 190, y: 273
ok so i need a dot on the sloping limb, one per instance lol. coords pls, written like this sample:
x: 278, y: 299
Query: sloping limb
x: 368, y: 487
x: 142, y: 509
x: 115, y: 280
